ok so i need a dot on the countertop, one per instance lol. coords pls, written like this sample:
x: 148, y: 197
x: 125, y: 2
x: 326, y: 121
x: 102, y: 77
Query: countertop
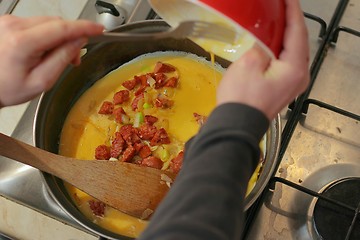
x: 67, y: 9
x: 17, y: 221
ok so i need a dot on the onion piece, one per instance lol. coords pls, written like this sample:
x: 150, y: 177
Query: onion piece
x: 147, y: 212
x: 166, y: 165
x: 125, y: 119
x: 166, y: 179
x: 139, y: 119
x: 164, y: 154
x: 151, y: 81
x: 147, y: 106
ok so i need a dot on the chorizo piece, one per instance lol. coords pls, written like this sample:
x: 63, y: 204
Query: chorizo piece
x: 129, y: 134
x: 130, y: 84
x: 141, y: 90
x: 176, y: 162
x: 128, y: 154
x: 150, y: 120
x: 152, y: 162
x: 162, y: 102
x: 160, y: 137
x: 200, y: 119
x: 119, y: 114
x: 142, y: 79
x: 134, y: 104
x: 121, y: 97
x: 145, y: 151
x: 106, y: 108
x: 97, y: 207
x: 102, y: 152
x: 147, y: 132
x: 160, y: 80
x: 117, y: 145
x: 163, y: 68
x: 172, y: 82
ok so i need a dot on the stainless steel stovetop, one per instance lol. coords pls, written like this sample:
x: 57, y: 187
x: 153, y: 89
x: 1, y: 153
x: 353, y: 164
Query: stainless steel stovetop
x: 320, y: 140
x: 6, y: 6
x: 24, y: 184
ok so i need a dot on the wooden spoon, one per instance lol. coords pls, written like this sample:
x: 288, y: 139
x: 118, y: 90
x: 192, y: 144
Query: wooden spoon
x: 130, y: 188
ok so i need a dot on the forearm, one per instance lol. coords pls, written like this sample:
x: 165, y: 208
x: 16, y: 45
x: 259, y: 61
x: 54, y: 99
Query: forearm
x: 206, y: 201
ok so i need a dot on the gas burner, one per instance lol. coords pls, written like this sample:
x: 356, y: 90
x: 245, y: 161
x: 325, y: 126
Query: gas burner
x: 334, y: 222
x: 298, y: 202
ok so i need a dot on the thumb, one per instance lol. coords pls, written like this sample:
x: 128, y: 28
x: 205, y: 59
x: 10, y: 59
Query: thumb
x: 254, y: 60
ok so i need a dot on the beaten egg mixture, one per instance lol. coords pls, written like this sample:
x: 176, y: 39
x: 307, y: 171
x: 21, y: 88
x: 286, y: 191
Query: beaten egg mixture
x: 85, y: 129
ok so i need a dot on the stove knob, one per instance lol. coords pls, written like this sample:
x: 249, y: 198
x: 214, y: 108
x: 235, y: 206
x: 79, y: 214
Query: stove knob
x: 110, y: 15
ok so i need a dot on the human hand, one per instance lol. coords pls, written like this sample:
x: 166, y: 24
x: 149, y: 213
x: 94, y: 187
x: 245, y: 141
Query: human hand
x: 270, y: 84
x: 34, y: 52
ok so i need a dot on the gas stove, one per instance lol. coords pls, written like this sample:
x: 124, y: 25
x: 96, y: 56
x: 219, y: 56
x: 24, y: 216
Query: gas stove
x: 315, y: 190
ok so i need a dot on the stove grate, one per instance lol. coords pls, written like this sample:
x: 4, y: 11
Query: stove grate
x: 336, y: 212
x: 328, y: 36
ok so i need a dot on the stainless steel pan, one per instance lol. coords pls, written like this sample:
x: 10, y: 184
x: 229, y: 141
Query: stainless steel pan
x: 99, y: 60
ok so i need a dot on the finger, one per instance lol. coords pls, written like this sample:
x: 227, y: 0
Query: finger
x: 57, y: 33
x: 296, y: 47
x: 255, y: 60
x: 77, y: 60
x: 47, y: 72
x: 12, y: 23
x: 35, y: 21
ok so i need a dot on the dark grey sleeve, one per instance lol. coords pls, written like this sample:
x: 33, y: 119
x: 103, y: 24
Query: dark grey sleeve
x: 206, y: 200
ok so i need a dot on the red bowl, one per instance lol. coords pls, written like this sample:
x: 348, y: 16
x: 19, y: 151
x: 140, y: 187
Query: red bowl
x: 262, y: 21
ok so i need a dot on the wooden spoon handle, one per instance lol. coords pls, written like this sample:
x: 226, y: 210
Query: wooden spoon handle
x: 128, y: 187
x: 24, y: 153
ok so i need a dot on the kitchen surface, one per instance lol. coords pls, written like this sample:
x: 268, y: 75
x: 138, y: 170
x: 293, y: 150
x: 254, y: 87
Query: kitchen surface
x: 319, y: 152
x: 16, y: 220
